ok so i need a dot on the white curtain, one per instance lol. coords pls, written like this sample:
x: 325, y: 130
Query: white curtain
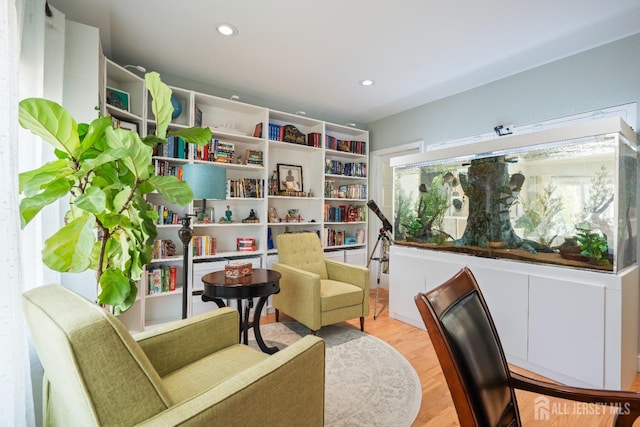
x: 21, y: 73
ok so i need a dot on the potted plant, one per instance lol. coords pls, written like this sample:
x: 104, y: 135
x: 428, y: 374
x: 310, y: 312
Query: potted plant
x: 105, y: 173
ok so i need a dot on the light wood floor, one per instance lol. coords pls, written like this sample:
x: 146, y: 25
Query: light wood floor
x: 437, y: 408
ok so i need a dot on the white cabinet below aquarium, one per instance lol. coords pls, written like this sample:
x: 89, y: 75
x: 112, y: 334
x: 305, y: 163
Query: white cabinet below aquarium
x: 578, y: 327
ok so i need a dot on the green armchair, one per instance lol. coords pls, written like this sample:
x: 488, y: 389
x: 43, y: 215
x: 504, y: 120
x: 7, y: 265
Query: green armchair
x: 316, y: 291
x: 193, y: 372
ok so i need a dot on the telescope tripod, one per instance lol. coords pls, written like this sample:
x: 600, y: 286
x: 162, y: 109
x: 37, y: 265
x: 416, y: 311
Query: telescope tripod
x: 383, y: 256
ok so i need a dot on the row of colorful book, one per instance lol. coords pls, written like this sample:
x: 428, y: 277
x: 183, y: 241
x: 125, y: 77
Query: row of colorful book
x: 166, y: 216
x: 203, y: 245
x: 164, y: 168
x: 336, y: 167
x: 344, y: 213
x: 245, y: 188
x: 344, y: 191
x: 216, y: 151
x: 163, y: 248
x: 176, y: 148
x: 356, y: 147
x: 161, y: 279
x: 333, y: 237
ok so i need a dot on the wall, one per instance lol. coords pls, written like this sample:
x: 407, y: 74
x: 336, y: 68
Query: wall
x: 600, y: 77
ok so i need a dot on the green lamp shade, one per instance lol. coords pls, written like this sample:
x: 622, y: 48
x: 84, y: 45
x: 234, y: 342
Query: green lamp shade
x: 206, y: 181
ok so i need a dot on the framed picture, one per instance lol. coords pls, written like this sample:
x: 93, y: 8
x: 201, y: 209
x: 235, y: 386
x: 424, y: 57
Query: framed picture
x: 118, y: 98
x: 289, y: 177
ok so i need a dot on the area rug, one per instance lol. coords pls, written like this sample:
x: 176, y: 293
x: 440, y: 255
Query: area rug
x: 367, y: 382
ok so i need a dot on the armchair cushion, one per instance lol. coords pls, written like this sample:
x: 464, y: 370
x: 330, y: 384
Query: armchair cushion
x: 339, y: 294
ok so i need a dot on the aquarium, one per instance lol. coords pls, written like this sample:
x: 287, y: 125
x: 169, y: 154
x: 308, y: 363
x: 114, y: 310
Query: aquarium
x: 565, y: 196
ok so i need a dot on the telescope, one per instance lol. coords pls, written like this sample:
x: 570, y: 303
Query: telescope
x: 386, y: 225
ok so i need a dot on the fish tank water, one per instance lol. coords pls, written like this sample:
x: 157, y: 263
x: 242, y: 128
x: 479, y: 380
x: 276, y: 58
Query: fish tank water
x: 564, y: 196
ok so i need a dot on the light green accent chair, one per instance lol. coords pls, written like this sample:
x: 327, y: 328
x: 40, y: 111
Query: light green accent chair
x: 192, y: 372
x: 316, y: 291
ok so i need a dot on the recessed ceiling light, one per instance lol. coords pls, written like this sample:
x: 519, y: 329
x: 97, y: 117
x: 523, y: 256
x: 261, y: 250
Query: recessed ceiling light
x: 227, y: 30
x: 366, y: 82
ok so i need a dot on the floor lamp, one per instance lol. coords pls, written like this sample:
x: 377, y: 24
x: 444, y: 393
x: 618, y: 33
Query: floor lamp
x: 208, y: 182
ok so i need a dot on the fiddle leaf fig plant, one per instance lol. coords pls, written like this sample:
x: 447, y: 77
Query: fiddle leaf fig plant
x: 105, y: 173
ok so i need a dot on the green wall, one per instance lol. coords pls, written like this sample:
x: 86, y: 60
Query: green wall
x: 605, y: 76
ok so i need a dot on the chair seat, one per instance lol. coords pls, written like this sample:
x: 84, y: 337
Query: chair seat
x: 211, y: 370
x: 337, y: 294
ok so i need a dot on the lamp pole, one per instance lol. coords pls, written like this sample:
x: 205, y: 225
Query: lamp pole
x: 185, y: 234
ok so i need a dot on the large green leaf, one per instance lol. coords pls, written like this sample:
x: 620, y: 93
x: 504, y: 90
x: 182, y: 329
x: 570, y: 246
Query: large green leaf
x: 138, y: 155
x: 31, y: 182
x: 172, y: 189
x: 93, y: 200
x: 69, y: 249
x: 30, y: 206
x: 51, y: 122
x: 199, y: 136
x: 95, y: 132
x: 115, y: 288
x: 161, y: 102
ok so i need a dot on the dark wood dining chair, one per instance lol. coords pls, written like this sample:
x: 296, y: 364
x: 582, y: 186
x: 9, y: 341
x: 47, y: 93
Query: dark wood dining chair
x: 468, y: 347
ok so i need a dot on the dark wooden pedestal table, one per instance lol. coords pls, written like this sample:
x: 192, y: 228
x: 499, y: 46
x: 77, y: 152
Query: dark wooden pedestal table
x: 260, y: 284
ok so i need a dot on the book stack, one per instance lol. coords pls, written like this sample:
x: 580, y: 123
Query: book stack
x: 246, y: 244
x: 224, y: 152
x: 166, y: 216
x: 313, y: 139
x: 164, y: 168
x: 336, y: 167
x: 276, y: 132
x: 162, y: 279
x: 245, y: 188
x: 356, y: 147
x: 175, y: 148
x: 333, y: 237
x: 163, y: 249
x: 254, y: 157
x: 203, y: 245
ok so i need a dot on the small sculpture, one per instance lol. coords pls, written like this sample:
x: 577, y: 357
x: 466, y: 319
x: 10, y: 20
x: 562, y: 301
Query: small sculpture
x: 227, y: 218
x: 273, y: 215
x: 252, y: 217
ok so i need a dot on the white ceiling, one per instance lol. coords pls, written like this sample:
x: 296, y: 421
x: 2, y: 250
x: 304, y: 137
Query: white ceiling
x: 312, y: 54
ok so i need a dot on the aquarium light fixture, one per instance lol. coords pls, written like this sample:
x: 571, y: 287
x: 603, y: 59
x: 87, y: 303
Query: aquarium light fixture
x: 502, y: 130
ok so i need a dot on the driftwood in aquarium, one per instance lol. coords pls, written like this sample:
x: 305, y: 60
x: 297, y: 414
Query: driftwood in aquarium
x: 491, y: 192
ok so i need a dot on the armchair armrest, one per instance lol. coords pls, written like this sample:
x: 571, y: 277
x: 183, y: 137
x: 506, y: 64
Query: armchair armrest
x: 627, y: 402
x: 173, y: 346
x: 348, y: 273
x: 289, y: 384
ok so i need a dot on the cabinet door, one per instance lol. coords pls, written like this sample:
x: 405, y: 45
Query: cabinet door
x: 566, y: 329
x: 356, y: 256
x: 197, y: 305
x: 507, y: 295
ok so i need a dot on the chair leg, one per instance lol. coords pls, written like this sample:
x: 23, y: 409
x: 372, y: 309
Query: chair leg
x: 277, y: 315
x: 362, y: 324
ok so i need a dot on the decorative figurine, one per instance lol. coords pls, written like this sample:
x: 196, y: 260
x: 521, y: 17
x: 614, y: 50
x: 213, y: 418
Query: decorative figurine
x: 252, y: 217
x: 273, y: 215
x: 227, y: 216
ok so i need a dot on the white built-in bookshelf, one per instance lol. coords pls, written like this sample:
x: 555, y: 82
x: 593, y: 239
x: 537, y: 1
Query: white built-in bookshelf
x: 257, y: 146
